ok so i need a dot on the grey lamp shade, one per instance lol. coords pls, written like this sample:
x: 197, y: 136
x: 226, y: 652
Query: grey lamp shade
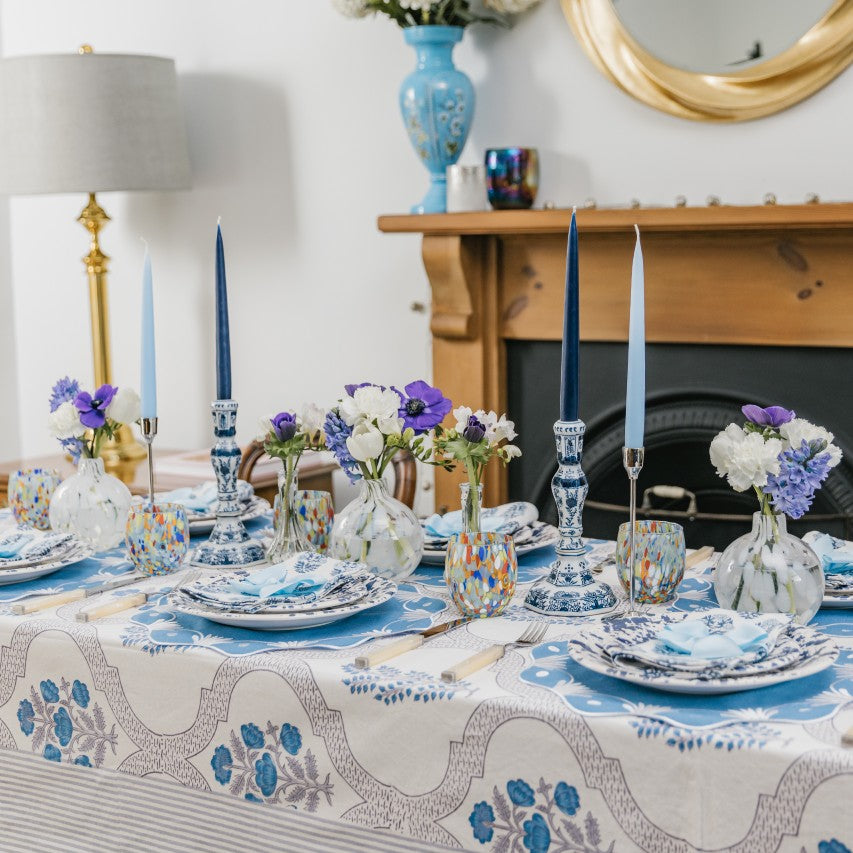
x: 90, y: 123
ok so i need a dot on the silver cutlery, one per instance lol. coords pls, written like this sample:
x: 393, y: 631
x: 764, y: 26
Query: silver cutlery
x: 533, y: 634
x: 405, y: 644
x: 44, y: 602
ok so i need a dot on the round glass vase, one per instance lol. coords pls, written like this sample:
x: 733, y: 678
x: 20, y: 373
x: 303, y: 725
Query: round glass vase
x: 91, y: 504
x: 380, y: 531
x: 289, y: 538
x: 769, y: 570
x: 472, y: 504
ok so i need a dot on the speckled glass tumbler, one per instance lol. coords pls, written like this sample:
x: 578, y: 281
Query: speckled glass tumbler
x: 30, y: 491
x: 481, y: 570
x: 157, y: 536
x: 659, y: 560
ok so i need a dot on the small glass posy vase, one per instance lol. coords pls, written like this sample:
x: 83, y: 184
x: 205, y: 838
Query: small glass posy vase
x: 472, y: 504
x: 289, y: 536
x: 91, y: 504
x: 380, y: 531
x: 769, y: 570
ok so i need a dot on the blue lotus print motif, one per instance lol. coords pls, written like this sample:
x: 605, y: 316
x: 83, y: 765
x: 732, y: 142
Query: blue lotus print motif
x: 391, y: 685
x: 290, y: 739
x: 567, y: 799
x: 833, y: 846
x: 520, y: 793
x: 80, y: 693
x: 482, y: 820
x: 63, y: 726
x: 265, y: 765
x: 535, y: 820
x: 253, y: 737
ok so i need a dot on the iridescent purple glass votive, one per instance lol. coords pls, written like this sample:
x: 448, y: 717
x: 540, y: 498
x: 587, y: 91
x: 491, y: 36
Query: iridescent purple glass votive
x: 512, y: 177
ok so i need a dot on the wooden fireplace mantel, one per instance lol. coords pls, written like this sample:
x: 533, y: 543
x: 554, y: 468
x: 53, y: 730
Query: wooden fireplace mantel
x: 774, y: 275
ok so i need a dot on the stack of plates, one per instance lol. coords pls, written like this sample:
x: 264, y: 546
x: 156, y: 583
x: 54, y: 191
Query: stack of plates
x: 836, y: 557
x: 38, y: 554
x: 518, y: 519
x: 215, y: 600
x: 630, y: 649
x: 201, y: 511
x: 838, y: 592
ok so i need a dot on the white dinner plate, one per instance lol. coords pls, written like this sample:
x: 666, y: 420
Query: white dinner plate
x: 838, y: 602
x: 549, y: 536
x: 255, y: 508
x: 38, y: 570
x: 825, y: 654
x: 379, y: 591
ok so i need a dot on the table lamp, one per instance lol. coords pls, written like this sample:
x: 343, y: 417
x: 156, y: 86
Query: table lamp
x: 87, y: 123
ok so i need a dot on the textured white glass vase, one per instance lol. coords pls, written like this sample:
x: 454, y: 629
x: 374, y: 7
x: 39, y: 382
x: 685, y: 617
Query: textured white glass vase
x: 91, y: 504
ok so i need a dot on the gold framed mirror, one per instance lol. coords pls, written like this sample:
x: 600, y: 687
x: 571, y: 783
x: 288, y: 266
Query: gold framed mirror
x: 762, y: 86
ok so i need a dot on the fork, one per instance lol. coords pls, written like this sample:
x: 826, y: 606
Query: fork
x: 531, y: 635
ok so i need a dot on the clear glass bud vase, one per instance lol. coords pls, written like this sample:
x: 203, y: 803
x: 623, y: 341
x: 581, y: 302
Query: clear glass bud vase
x: 378, y: 530
x: 769, y: 570
x: 91, y: 504
x: 472, y: 504
x: 289, y: 538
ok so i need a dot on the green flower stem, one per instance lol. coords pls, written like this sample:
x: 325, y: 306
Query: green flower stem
x: 472, y: 508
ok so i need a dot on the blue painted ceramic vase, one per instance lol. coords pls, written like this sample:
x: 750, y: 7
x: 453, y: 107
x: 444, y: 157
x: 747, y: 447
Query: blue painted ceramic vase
x: 437, y: 102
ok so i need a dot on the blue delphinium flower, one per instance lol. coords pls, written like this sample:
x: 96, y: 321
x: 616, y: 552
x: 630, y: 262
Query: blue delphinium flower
x: 537, y: 836
x: 253, y: 737
x: 801, y: 472
x: 291, y: 739
x: 52, y: 753
x: 481, y: 820
x: 26, y: 714
x: 337, y: 433
x: 80, y: 693
x: 266, y: 775
x: 221, y: 764
x: 567, y: 799
x: 422, y: 407
x: 833, y: 846
x: 49, y: 691
x: 520, y: 792
x: 62, y: 726
x: 83, y: 761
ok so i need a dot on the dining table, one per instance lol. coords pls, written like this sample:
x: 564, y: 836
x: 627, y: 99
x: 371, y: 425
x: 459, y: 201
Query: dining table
x: 155, y: 729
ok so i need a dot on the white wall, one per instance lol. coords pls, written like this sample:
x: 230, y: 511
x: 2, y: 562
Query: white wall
x: 297, y: 143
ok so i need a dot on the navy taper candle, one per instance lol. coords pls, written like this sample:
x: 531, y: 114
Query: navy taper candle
x: 571, y: 333
x: 223, y: 338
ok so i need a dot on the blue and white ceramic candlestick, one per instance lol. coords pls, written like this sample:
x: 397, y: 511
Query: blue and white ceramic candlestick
x: 229, y: 545
x: 569, y: 588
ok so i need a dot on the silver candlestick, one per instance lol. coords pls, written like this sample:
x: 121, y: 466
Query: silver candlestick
x: 229, y: 545
x: 149, y: 430
x: 569, y: 588
x: 632, y: 459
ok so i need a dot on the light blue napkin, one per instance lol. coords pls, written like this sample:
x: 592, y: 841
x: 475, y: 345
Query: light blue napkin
x: 13, y: 541
x: 836, y: 555
x: 694, y: 637
x: 506, y: 518
x: 22, y: 543
x: 445, y: 526
x: 203, y: 497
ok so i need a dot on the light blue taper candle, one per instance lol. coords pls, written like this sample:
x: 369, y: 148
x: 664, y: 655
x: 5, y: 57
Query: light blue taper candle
x: 635, y: 401
x: 148, y: 381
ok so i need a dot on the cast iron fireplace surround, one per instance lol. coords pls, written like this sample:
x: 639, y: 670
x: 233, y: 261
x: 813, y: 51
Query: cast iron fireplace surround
x: 693, y: 391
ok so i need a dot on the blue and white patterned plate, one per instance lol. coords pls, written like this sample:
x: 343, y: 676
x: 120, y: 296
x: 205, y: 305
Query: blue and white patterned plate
x: 808, y: 652
x: 255, y: 508
x: 30, y: 572
x: 379, y: 591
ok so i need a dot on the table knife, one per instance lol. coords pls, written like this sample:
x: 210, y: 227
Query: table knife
x: 405, y: 644
x: 698, y: 556
x: 116, y: 605
x: 44, y: 602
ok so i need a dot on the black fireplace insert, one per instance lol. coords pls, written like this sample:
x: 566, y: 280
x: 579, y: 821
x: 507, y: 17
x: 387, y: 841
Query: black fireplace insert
x: 693, y: 391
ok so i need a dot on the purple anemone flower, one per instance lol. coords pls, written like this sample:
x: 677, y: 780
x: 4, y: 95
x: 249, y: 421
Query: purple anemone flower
x: 92, y: 406
x: 422, y: 407
x: 772, y: 416
x: 284, y: 425
x: 475, y: 430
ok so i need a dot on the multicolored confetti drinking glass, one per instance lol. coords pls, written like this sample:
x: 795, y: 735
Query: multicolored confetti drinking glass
x: 157, y: 536
x: 30, y: 491
x: 480, y: 570
x: 659, y: 561
x: 316, y: 514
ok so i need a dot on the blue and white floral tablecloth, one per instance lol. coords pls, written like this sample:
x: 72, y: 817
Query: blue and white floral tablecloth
x: 534, y: 754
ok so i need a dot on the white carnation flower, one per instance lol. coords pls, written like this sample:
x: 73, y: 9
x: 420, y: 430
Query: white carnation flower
x: 65, y: 422
x: 798, y: 430
x: 745, y: 459
x: 369, y: 403
x: 124, y: 408
x: 352, y: 8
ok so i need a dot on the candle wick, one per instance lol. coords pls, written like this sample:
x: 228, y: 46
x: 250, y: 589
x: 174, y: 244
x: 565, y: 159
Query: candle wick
x: 574, y: 209
x: 144, y: 241
x: 637, y: 229
x: 218, y: 221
